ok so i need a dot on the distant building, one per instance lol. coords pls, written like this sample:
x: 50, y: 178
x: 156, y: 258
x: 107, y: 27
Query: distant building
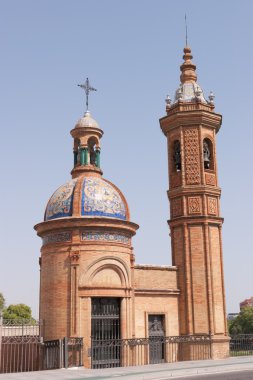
x: 232, y: 316
x: 247, y: 302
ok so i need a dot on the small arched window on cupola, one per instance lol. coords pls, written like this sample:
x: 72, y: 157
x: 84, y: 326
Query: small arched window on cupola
x: 77, y: 153
x: 208, y: 154
x: 93, y: 152
x: 177, y: 155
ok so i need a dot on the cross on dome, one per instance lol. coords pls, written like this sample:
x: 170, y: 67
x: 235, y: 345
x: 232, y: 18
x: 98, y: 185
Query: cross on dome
x: 87, y: 88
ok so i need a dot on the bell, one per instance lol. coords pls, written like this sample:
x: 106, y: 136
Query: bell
x: 206, y: 163
x: 206, y: 153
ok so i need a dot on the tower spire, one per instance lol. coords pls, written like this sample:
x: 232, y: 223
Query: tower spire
x: 188, y: 69
x: 186, y: 31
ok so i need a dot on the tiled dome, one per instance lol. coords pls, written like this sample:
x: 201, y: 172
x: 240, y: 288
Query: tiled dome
x: 87, y: 121
x: 98, y: 198
x: 61, y: 202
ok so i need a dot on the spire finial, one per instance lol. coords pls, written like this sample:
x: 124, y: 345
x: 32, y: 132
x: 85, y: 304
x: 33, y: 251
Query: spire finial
x: 188, y: 68
x: 186, y: 31
x: 87, y: 88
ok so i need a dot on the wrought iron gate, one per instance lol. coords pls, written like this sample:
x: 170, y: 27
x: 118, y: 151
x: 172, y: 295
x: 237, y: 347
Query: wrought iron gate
x: 156, y: 335
x: 105, y: 327
x: 20, y: 345
x: 66, y: 352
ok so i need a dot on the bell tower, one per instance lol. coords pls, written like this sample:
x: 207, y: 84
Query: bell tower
x: 191, y: 126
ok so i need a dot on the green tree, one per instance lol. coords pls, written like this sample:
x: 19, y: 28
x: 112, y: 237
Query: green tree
x: 243, y: 324
x: 19, y: 311
x: 2, y: 302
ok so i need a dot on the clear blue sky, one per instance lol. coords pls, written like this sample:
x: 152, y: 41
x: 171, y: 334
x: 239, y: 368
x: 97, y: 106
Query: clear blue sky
x: 131, y: 51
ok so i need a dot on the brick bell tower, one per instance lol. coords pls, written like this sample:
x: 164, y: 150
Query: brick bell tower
x: 191, y: 126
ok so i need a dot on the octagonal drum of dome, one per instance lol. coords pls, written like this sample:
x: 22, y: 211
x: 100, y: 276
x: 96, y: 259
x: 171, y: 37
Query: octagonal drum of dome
x: 100, y: 198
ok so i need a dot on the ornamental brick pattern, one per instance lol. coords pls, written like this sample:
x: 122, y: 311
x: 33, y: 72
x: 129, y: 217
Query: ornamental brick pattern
x: 210, y: 179
x: 194, y: 205
x: 191, y: 152
x: 212, y: 206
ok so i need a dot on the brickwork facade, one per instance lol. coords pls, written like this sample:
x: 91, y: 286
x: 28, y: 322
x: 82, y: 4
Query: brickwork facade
x: 190, y: 127
x: 87, y: 250
x: 87, y: 253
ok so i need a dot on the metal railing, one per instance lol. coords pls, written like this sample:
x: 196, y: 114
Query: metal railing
x: 52, y: 354
x: 20, y: 327
x: 22, y: 348
x: 132, y: 352
x: 73, y: 352
x: 62, y: 353
x: 241, y: 345
x: 20, y: 342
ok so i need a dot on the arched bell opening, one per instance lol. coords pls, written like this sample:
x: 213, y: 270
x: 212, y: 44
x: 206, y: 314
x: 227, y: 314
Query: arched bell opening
x: 76, y: 151
x: 208, y: 154
x: 93, y: 152
x: 176, y: 156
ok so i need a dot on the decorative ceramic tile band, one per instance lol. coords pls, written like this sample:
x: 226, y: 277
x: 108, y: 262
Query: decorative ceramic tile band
x: 105, y: 236
x: 57, y: 238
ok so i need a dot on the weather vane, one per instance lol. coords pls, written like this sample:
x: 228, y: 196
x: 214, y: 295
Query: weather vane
x: 186, y: 32
x: 87, y: 88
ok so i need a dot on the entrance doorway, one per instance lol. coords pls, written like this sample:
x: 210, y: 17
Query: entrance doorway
x: 156, y: 338
x: 105, y: 332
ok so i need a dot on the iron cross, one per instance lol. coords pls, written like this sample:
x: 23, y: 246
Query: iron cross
x: 87, y: 88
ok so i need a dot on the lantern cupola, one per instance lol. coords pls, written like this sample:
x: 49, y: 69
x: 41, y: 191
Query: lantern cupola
x: 86, y: 135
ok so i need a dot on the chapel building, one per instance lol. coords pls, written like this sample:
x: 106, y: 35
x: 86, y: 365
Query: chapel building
x: 90, y: 285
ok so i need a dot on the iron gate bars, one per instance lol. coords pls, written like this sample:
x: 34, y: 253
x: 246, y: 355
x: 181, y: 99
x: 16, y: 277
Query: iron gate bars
x: 130, y: 352
x: 105, y: 330
x: 19, y: 345
x: 22, y: 348
x: 241, y: 345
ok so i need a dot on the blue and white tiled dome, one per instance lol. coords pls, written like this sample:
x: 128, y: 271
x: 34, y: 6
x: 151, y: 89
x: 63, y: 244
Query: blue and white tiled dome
x: 98, y: 198
x: 61, y: 202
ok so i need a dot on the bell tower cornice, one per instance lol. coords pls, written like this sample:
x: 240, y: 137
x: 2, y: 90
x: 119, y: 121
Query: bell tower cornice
x: 187, y: 117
